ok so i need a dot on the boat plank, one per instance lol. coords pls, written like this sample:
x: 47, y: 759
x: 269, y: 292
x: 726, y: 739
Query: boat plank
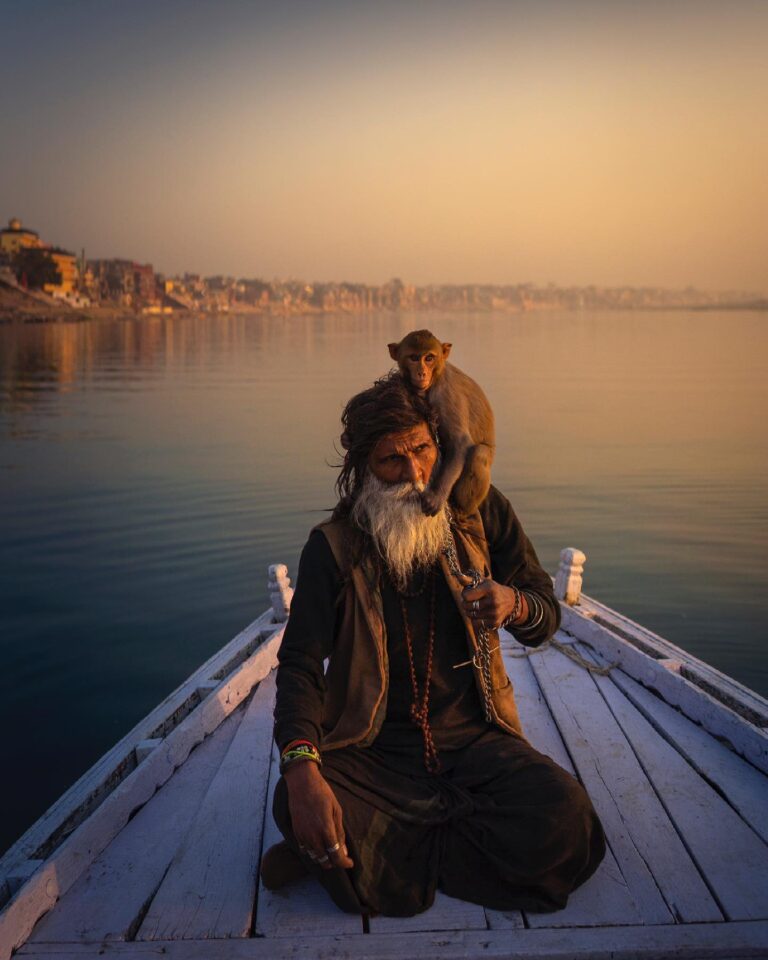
x: 745, y: 787
x: 302, y: 906
x: 209, y: 889
x: 731, y: 857
x: 715, y: 716
x: 689, y: 941
x: 68, y: 862
x: 446, y: 913
x: 93, y: 787
x: 605, y: 898
x: 649, y: 851
x: 730, y: 692
x: 538, y: 723
x: 108, y: 900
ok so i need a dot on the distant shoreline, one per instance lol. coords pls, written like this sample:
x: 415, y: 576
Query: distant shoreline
x: 40, y: 314
x: 18, y: 305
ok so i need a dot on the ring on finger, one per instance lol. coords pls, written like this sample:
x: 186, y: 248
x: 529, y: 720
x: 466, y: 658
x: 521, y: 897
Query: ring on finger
x: 334, y: 848
x: 324, y: 859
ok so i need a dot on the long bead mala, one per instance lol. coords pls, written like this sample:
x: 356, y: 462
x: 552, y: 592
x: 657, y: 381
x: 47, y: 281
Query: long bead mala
x: 420, y: 702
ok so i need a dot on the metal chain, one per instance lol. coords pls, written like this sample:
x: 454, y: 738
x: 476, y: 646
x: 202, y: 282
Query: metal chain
x: 482, y: 659
x: 483, y: 664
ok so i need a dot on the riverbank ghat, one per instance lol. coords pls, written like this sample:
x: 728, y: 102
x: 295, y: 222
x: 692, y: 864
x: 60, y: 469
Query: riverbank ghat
x: 155, y: 851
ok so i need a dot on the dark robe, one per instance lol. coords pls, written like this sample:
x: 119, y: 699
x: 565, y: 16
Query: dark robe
x: 500, y: 824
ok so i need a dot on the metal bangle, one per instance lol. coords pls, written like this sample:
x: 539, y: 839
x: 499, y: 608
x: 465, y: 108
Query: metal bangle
x: 536, y: 613
x: 508, y: 623
x: 539, y: 611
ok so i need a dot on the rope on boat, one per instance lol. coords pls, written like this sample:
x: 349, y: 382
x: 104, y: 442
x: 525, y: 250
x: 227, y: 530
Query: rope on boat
x: 569, y: 652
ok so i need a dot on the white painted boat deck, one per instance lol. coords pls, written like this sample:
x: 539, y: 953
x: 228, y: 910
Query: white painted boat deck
x: 673, y: 754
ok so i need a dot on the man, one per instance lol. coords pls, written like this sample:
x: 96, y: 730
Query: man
x: 404, y: 765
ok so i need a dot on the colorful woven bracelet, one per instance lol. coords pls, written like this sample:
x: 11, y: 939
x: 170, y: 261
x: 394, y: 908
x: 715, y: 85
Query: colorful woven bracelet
x: 301, y: 750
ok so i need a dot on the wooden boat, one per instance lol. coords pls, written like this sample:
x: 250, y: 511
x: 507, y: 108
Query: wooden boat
x: 155, y: 850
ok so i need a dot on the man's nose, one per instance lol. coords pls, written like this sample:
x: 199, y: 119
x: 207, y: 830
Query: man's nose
x: 412, y: 470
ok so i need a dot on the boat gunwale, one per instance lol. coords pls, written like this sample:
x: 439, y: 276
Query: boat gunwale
x: 32, y: 886
x: 672, y: 674
x: 60, y: 818
x: 733, y: 694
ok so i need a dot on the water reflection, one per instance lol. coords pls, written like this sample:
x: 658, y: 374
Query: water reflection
x: 151, y: 469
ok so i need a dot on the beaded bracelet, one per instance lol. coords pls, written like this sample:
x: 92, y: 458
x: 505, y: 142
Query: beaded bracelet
x: 299, y: 750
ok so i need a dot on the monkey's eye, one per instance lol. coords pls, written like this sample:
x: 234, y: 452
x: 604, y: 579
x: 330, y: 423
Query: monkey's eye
x: 430, y: 358
x: 414, y: 357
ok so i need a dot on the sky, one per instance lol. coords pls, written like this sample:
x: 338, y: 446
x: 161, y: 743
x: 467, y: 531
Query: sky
x: 557, y: 141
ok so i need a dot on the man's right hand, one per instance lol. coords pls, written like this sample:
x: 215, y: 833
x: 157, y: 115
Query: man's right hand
x: 316, y: 815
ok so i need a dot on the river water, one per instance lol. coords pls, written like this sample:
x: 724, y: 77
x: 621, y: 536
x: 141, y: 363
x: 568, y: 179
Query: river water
x: 150, y: 470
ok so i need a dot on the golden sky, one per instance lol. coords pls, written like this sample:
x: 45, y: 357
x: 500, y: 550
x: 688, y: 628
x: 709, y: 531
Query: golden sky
x: 607, y: 143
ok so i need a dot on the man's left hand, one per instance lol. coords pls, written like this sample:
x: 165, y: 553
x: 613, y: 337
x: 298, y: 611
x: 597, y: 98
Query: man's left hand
x: 490, y: 604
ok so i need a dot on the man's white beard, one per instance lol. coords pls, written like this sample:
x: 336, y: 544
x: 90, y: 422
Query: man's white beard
x: 406, y: 538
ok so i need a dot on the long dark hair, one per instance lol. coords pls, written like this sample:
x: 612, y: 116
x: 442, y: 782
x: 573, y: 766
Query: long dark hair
x: 389, y: 406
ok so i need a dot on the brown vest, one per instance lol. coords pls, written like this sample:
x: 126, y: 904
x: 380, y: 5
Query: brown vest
x: 358, y: 671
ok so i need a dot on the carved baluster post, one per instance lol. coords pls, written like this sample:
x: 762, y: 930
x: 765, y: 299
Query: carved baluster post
x: 569, y: 575
x: 280, y: 591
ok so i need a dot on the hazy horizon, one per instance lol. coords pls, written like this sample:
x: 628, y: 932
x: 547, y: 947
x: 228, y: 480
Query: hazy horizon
x: 495, y: 142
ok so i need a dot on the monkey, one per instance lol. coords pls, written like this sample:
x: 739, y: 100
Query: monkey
x: 465, y: 422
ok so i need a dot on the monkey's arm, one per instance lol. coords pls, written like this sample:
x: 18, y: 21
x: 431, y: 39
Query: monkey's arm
x: 307, y: 642
x: 456, y: 449
x: 466, y: 429
x: 514, y: 562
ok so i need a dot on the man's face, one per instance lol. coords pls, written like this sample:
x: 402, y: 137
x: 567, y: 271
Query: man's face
x: 407, y: 456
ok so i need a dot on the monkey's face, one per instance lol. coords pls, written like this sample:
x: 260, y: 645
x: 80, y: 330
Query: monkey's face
x: 420, y: 368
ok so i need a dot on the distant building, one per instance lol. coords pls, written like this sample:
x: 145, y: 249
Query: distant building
x: 113, y: 280
x: 123, y: 282
x: 66, y: 263
x: 144, y: 285
x: 14, y: 237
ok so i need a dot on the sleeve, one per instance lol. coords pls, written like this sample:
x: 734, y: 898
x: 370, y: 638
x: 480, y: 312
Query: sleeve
x: 307, y: 642
x: 514, y: 563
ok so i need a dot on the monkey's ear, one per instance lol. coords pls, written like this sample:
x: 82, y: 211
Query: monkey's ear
x: 393, y: 350
x: 446, y: 350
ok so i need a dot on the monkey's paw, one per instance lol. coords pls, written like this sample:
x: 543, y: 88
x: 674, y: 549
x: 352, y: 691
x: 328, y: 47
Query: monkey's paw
x: 432, y: 503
